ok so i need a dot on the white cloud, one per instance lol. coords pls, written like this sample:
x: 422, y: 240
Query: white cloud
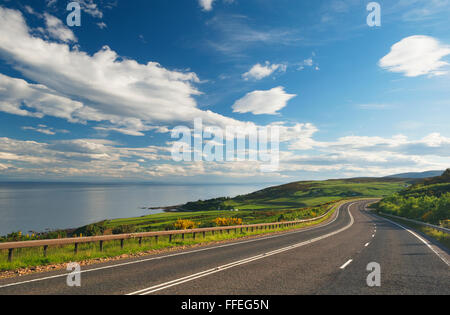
x: 58, y: 30
x: 346, y: 157
x: 206, y: 4
x: 263, y: 102
x: 308, y: 63
x: 102, y: 25
x: 258, y: 71
x: 21, y: 98
x: 234, y: 34
x: 88, y: 6
x: 118, y: 93
x: 417, y: 55
x: 102, y: 87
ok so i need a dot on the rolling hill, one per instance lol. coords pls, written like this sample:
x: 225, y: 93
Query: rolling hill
x: 302, y: 194
x: 427, y: 174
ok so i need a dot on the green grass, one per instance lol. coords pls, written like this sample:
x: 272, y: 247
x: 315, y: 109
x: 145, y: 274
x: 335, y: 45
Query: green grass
x: 299, y: 200
x: 427, y: 201
x: 439, y: 236
x: 31, y: 257
x: 302, y: 194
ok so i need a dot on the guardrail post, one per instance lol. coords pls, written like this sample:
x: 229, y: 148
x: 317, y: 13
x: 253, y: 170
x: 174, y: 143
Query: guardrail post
x: 121, y: 244
x: 170, y: 238
x: 101, y: 246
x: 10, y: 255
x: 156, y: 239
x: 75, y: 250
x: 193, y: 235
x: 140, y: 241
x: 45, y: 250
x: 182, y: 236
x: 204, y: 234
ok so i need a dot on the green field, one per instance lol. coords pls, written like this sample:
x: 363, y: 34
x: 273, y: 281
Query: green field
x: 302, y: 194
x: 300, y: 200
x: 33, y: 257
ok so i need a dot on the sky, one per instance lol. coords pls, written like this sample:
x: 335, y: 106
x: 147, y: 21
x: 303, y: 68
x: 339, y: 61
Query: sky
x: 99, y: 101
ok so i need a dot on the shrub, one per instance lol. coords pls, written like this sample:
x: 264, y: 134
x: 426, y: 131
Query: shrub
x: 124, y: 229
x: 227, y: 221
x: 184, y: 225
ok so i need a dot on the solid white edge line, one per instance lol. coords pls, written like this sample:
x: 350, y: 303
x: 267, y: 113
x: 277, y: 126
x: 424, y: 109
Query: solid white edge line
x: 346, y: 264
x: 429, y: 245
x: 176, y: 254
x: 202, y: 274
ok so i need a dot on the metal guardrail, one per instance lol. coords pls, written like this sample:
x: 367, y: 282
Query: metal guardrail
x: 439, y: 228
x: 10, y: 246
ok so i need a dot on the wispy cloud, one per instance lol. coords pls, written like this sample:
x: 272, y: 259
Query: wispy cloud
x: 259, y: 71
x: 233, y: 34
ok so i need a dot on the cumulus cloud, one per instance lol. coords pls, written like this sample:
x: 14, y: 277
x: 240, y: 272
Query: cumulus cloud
x: 416, y: 56
x: 120, y: 94
x: 258, y: 71
x: 263, y: 102
x: 58, y: 30
x: 103, y: 87
x: 21, y: 98
x: 347, y: 156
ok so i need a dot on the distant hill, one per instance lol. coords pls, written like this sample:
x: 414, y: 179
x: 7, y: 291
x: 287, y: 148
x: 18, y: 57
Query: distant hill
x: 303, y: 194
x: 417, y: 175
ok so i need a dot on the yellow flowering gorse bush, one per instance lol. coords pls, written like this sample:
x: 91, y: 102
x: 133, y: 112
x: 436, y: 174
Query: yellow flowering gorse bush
x: 227, y: 221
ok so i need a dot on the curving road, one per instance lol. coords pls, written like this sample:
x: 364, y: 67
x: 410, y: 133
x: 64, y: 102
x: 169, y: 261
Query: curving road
x: 328, y: 259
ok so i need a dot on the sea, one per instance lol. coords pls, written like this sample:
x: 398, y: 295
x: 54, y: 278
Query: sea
x: 38, y: 207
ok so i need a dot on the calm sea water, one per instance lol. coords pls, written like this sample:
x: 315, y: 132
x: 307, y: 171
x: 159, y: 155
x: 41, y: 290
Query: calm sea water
x: 40, y: 206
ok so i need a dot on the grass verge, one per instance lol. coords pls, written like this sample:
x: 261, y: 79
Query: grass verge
x: 32, y: 257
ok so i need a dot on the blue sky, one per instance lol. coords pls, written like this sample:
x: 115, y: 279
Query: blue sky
x: 97, y: 102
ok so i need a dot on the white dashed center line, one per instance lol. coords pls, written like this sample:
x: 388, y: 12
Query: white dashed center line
x: 346, y: 264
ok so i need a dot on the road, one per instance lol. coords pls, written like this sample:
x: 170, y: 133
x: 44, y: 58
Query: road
x: 328, y: 259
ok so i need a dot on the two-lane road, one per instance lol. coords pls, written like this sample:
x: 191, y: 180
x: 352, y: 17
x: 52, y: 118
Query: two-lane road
x: 326, y: 259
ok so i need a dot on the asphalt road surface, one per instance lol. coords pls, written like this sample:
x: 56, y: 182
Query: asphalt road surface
x: 332, y: 258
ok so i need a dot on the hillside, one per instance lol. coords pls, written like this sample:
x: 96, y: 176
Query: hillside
x: 302, y: 194
x: 421, y: 175
x: 427, y: 200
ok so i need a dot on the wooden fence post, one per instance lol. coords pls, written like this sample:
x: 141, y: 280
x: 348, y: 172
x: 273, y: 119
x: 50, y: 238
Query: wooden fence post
x: 10, y: 255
